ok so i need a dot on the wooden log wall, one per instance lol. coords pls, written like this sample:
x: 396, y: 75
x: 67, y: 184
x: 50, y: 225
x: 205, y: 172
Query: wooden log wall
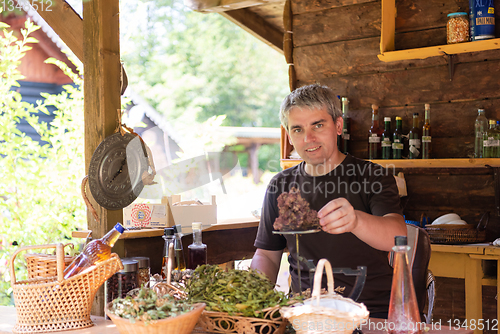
x: 336, y: 42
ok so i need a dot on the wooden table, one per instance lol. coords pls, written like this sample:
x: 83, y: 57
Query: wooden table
x: 102, y: 326
x: 464, y: 261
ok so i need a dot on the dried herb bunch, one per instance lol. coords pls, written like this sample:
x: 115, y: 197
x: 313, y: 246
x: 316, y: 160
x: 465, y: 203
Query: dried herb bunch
x: 147, y: 306
x: 295, y: 213
x: 244, y: 292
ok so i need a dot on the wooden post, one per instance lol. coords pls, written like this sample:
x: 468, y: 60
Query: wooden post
x: 101, y: 46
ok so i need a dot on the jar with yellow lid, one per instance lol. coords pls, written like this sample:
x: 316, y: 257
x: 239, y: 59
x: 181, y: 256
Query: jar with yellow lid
x: 457, y: 28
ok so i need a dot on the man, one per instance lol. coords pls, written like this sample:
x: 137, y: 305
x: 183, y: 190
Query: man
x: 357, y: 202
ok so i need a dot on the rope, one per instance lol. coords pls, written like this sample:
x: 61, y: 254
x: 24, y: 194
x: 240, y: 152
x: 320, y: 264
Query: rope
x: 85, y: 198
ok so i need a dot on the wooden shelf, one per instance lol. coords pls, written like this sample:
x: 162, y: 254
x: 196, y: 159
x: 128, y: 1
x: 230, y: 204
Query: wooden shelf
x: 440, y: 50
x: 388, y: 30
x: 420, y: 163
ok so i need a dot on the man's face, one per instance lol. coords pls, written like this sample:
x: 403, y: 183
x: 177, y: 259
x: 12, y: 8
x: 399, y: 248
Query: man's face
x: 313, y: 133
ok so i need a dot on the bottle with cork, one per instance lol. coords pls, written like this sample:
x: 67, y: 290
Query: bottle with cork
x: 426, y: 134
x: 414, y: 139
x: 197, y: 251
x: 374, y: 135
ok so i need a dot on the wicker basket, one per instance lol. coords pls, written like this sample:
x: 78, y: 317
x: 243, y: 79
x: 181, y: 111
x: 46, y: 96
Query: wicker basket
x: 44, y: 265
x: 455, y: 234
x: 220, y: 322
x: 330, y: 313
x: 182, y: 324
x: 55, y: 304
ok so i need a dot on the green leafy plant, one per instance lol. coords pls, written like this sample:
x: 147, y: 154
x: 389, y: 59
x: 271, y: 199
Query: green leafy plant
x: 40, y: 201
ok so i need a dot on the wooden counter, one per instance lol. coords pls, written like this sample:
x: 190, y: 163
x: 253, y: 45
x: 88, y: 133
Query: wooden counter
x: 226, y: 241
x: 373, y: 326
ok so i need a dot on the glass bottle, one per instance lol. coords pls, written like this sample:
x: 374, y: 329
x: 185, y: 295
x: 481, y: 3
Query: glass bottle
x: 414, y: 137
x: 374, y: 135
x: 480, y: 128
x: 169, y: 237
x: 397, y: 138
x: 497, y: 140
x: 346, y: 130
x: 197, y: 251
x: 96, y: 251
x: 426, y: 134
x: 404, y: 315
x: 386, y: 139
x: 180, y: 263
x: 491, y: 147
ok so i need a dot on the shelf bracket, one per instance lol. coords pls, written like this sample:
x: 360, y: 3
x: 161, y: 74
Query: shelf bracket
x: 451, y: 64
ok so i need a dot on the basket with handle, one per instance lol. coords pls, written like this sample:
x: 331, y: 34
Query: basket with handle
x: 325, y: 313
x: 45, y: 265
x: 51, y: 304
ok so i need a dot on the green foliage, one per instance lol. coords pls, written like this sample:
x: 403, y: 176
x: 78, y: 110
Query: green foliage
x: 40, y: 201
x: 193, y: 66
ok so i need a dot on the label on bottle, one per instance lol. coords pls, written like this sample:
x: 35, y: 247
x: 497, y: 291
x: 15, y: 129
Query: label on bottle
x: 397, y: 146
x: 426, y: 139
x: 374, y: 139
x: 415, y: 151
x: 345, y: 135
x: 490, y: 142
x: 415, y: 143
x: 495, y: 143
x: 386, y: 142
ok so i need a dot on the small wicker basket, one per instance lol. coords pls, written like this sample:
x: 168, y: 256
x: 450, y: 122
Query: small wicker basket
x: 44, y: 265
x: 220, y: 322
x: 455, y: 234
x: 330, y: 313
x: 182, y: 324
x: 51, y: 304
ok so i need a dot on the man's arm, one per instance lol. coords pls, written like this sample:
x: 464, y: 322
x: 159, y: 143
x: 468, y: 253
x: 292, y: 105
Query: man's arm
x: 267, y: 262
x: 338, y: 216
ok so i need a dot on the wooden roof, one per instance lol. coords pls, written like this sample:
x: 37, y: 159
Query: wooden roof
x: 261, y: 18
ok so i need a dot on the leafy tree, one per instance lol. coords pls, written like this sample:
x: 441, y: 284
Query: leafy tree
x: 40, y: 201
x: 192, y: 66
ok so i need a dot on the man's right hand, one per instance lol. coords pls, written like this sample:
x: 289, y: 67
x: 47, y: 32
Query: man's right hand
x: 267, y: 262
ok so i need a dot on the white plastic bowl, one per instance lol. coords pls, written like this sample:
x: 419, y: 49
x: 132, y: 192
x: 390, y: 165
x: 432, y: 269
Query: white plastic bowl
x: 446, y: 219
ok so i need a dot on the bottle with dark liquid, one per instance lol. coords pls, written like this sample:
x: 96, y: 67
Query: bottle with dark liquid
x: 374, y: 136
x: 346, y: 130
x: 426, y: 134
x: 180, y: 264
x: 397, y: 139
x: 414, y: 137
x: 197, y: 251
x: 169, y: 237
x: 404, y: 316
x: 386, y: 139
x: 96, y: 251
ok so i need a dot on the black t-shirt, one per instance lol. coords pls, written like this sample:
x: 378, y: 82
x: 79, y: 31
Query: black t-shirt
x: 369, y: 188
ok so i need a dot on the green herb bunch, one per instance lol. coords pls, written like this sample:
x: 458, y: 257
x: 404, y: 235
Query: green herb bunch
x: 233, y: 291
x: 147, y: 306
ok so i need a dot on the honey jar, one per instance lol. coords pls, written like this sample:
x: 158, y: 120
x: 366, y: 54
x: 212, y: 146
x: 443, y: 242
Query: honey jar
x: 457, y: 28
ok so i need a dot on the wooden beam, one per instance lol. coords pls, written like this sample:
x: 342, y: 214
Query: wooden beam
x: 66, y: 23
x: 101, y: 59
x: 210, y: 6
x: 257, y: 26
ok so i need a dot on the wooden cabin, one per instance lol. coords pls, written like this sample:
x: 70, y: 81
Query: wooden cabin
x: 392, y: 54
